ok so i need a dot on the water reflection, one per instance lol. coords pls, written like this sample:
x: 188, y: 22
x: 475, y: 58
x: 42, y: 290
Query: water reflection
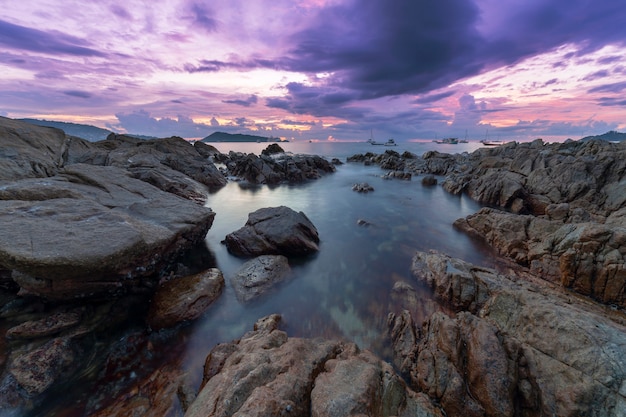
x: 345, y: 290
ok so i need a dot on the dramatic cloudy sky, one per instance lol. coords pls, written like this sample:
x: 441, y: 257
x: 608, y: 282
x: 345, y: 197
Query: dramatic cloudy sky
x: 319, y: 69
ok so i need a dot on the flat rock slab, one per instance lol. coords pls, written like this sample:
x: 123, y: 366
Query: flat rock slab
x: 259, y: 275
x: 186, y: 298
x: 89, y: 228
x: 274, y: 231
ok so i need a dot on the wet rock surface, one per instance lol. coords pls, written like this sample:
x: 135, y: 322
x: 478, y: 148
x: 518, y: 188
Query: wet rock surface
x: 259, y: 275
x: 274, y: 231
x: 185, y: 298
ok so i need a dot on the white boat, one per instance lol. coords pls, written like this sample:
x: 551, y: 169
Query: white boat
x: 492, y: 142
x: 390, y: 142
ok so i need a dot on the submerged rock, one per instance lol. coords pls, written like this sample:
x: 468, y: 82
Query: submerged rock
x: 362, y: 187
x: 186, y: 298
x: 274, y: 231
x: 259, y: 275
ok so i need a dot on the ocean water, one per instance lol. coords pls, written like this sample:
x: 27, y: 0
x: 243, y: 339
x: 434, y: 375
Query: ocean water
x: 345, y: 290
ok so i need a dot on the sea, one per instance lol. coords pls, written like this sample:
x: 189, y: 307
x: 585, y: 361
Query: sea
x: 345, y: 291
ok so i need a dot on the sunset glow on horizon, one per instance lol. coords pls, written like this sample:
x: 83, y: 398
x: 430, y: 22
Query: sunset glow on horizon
x: 319, y: 69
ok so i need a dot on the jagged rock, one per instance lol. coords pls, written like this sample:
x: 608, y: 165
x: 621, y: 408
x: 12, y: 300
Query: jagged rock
x: 362, y: 187
x: 588, y: 257
x: 171, y: 164
x: 259, y: 275
x: 276, y: 168
x: 267, y: 373
x: 185, y: 298
x: 512, y: 347
x: 274, y: 231
x: 272, y: 149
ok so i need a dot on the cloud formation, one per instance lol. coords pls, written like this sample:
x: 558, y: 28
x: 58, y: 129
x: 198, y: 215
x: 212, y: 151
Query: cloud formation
x: 408, y: 68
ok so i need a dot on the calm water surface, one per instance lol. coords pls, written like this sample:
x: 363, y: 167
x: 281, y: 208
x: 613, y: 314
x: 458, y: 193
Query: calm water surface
x: 344, y: 290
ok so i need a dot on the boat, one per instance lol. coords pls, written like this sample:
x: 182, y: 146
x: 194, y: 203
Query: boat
x: 492, y: 142
x: 390, y: 142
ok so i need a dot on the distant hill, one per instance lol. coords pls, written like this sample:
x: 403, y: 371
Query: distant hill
x: 236, y: 137
x: 87, y: 132
x: 611, y: 136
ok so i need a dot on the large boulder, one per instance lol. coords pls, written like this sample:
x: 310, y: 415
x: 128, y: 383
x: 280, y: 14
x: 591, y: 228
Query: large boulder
x: 274, y: 231
x: 257, y: 276
x: 267, y: 373
x: 511, y: 347
x: 29, y: 151
x: 185, y: 298
x: 92, y: 229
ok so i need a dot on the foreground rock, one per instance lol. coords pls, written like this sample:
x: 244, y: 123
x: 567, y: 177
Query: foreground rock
x: 511, y: 348
x: 84, y: 219
x: 184, y: 299
x: 259, y: 275
x: 92, y: 229
x: 266, y: 373
x: 274, y: 231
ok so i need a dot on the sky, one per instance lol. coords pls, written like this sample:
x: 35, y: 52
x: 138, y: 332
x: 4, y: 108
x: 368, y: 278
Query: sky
x: 319, y: 69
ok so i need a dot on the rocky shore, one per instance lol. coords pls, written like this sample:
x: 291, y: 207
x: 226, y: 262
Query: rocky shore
x: 102, y: 236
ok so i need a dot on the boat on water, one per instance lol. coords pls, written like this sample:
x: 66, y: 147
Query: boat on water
x: 448, y: 141
x: 492, y: 142
x: 390, y: 142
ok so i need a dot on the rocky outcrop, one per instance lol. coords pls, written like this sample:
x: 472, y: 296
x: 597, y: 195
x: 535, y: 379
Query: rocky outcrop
x: 267, y: 373
x: 184, y: 299
x: 274, y: 166
x: 259, y: 275
x: 171, y: 164
x: 82, y: 218
x: 512, y: 348
x: 274, y: 231
x: 587, y: 257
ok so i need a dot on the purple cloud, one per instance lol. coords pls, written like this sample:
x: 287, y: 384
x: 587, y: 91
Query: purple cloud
x: 53, y: 42
x: 78, y: 93
x: 245, y: 103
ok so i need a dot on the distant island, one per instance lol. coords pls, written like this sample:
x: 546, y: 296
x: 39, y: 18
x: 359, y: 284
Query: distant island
x: 237, y: 137
x: 88, y: 132
x: 612, y: 136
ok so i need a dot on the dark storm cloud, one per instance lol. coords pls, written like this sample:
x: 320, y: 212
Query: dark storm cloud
x: 245, y: 103
x: 52, y: 42
x: 379, y: 48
